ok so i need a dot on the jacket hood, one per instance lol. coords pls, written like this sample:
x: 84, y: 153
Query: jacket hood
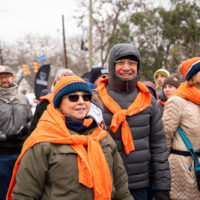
x: 118, y: 51
x: 151, y: 87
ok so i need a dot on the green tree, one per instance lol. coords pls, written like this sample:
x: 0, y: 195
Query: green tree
x: 180, y: 27
x: 109, y: 17
x: 164, y: 37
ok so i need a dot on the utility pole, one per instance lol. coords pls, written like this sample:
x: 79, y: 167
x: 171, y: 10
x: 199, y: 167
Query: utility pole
x: 64, y: 43
x: 1, y: 56
x: 90, y: 35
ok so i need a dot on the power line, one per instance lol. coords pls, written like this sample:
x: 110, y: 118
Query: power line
x: 27, y: 18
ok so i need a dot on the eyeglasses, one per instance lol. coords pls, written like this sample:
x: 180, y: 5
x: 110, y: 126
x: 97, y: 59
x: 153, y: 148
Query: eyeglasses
x: 121, y: 63
x: 75, y: 97
x: 5, y: 77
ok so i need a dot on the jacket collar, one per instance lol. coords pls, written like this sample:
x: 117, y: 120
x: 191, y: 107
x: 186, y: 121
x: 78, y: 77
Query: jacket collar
x: 120, y: 85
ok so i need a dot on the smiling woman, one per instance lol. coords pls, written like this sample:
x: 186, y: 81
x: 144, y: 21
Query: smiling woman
x: 74, y: 156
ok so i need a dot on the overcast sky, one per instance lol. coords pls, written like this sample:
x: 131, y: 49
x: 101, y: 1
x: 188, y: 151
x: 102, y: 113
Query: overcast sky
x: 21, y: 17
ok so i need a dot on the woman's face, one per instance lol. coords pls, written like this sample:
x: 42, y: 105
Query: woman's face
x: 75, y: 107
x: 197, y: 78
x: 169, y: 90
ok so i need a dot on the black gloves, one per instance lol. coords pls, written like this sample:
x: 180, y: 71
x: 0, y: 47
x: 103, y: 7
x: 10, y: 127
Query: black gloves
x: 19, y: 136
x: 162, y: 195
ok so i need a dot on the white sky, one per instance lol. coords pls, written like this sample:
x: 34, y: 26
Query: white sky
x: 44, y: 17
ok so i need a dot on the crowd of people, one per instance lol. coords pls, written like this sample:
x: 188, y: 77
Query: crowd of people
x: 103, y: 135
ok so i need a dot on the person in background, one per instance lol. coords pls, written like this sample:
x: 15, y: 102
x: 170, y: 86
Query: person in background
x: 23, y: 92
x: 133, y: 119
x: 45, y: 100
x: 152, y: 88
x: 159, y: 77
x: 86, y: 76
x: 69, y: 155
x: 96, y: 74
x: 183, y: 109
x: 15, y: 113
x: 44, y: 92
x: 170, y: 85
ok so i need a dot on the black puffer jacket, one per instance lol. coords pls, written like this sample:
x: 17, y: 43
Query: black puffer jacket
x: 161, y: 102
x: 146, y: 128
x: 40, y: 108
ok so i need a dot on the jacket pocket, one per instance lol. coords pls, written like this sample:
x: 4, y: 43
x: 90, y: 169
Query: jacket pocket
x: 63, y: 164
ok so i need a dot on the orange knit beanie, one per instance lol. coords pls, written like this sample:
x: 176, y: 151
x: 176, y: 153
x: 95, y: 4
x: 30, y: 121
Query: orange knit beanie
x: 190, y: 67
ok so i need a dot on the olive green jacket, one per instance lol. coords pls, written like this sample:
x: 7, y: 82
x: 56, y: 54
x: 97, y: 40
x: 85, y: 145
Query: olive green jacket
x: 50, y: 172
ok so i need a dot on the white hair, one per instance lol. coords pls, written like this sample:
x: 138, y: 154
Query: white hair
x: 60, y: 74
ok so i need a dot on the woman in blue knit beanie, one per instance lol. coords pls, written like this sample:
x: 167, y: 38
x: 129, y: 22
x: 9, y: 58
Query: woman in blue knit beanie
x: 69, y: 155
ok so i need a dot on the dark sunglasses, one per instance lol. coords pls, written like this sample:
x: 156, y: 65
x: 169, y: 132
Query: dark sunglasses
x: 75, y: 97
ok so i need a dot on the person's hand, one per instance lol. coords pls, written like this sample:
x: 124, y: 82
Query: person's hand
x: 162, y: 195
x: 21, y: 135
x: 12, y: 137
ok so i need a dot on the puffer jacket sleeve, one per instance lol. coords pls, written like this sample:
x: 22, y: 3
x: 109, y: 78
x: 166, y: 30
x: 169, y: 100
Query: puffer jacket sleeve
x: 30, y: 177
x: 120, y: 178
x: 158, y: 148
x: 28, y: 108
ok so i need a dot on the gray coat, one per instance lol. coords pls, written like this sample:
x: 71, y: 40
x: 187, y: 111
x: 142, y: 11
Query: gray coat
x: 12, y: 117
x: 146, y: 128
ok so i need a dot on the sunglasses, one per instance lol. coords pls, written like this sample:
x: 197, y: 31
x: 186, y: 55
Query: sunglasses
x: 75, y: 97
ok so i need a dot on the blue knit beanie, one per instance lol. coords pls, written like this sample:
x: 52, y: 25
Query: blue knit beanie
x: 68, y: 85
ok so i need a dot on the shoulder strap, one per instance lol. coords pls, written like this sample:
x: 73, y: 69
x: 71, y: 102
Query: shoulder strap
x: 187, y: 144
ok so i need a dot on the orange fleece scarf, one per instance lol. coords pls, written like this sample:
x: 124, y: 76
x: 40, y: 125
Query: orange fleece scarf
x: 142, y: 101
x: 162, y: 102
x: 188, y: 92
x: 48, y: 97
x: 52, y: 128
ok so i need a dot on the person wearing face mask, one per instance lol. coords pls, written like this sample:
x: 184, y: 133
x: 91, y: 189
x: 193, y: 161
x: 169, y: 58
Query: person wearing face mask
x: 133, y: 118
x: 69, y: 155
x: 183, y: 110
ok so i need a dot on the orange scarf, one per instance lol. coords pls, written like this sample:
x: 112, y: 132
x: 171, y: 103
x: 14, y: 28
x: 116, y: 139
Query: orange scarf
x: 52, y: 128
x: 142, y: 101
x: 188, y: 92
x: 48, y: 97
x: 162, y: 102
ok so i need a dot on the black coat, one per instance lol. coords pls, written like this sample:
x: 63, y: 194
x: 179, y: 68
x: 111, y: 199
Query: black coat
x: 146, y: 128
x: 40, y: 108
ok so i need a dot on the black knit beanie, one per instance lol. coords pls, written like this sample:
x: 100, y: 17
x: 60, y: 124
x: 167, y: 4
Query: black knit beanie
x: 173, y: 79
x: 96, y: 72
